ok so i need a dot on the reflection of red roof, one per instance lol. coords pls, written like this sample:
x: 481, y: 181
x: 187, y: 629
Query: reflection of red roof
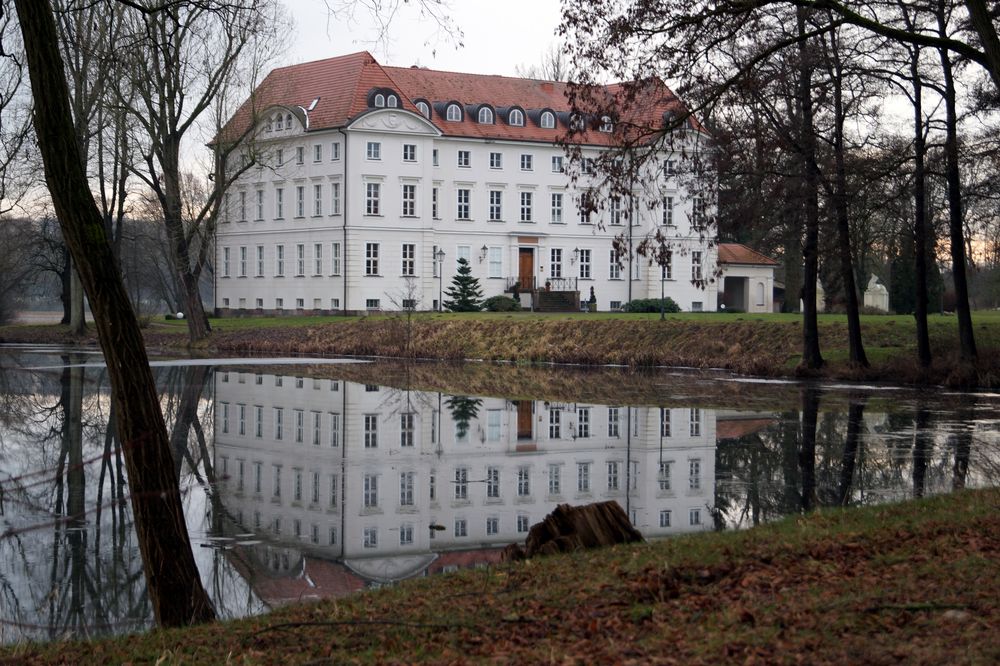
x: 464, y: 559
x: 342, y: 85
x: 319, y: 579
x: 734, y: 253
x: 733, y: 428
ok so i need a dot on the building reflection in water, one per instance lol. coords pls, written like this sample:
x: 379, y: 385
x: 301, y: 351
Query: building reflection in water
x: 330, y: 486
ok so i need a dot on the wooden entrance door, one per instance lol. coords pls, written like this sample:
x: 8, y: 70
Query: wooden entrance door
x: 524, y: 420
x: 526, y: 268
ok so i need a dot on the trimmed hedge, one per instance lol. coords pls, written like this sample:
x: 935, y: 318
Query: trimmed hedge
x: 651, y: 305
x: 501, y: 304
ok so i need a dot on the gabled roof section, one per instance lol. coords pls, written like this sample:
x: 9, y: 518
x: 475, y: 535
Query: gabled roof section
x: 342, y: 85
x: 735, y: 253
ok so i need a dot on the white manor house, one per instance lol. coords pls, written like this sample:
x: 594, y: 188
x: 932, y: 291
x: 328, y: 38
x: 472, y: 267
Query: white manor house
x: 370, y: 183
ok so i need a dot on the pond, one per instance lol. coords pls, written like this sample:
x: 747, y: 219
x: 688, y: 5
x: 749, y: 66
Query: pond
x: 312, y: 478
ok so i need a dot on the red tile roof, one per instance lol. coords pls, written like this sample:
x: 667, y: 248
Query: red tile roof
x: 734, y: 428
x: 734, y: 253
x: 342, y: 85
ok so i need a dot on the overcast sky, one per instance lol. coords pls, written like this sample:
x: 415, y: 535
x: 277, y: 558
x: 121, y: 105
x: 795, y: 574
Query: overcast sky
x: 497, y: 36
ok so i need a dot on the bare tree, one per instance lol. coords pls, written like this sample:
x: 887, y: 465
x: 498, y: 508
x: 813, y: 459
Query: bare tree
x: 553, y: 66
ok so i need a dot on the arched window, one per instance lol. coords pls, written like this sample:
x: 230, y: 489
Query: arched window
x: 486, y: 116
x: 392, y: 102
x: 606, y: 124
x: 516, y: 118
x: 454, y: 113
x: 760, y: 293
x: 278, y: 123
x: 379, y: 101
x: 548, y: 120
x: 577, y: 122
x: 424, y: 109
x: 288, y: 121
x: 269, y: 125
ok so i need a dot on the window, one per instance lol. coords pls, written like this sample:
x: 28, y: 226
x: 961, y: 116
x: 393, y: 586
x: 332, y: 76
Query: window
x: 372, y: 304
x: 371, y: 431
x: 300, y: 259
x: 373, y: 195
x: 297, y: 486
x: 606, y: 124
x: 258, y: 421
x: 300, y: 201
x: 614, y: 420
x: 406, y: 429
x: 667, y: 269
x: 669, y: 168
x: 453, y: 113
x: 405, y: 535
x: 225, y: 417
x: 260, y: 205
x: 424, y: 108
x: 409, y: 261
x: 557, y: 208
x: 614, y: 266
x: 434, y: 203
x: 587, y: 165
x: 243, y: 419
x: 493, y: 425
x: 555, y: 484
x: 465, y: 158
x: 461, y: 483
x: 300, y: 418
x: 240, y: 474
x: 496, y: 262
x: 523, y: 481
x: 694, y: 474
x: 409, y: 152
x: 526, y: 200
x: 409, y: 200
x: 698, y: 216
x: 583, y: 422
x: 379, y: 101
x: 300, y: 155
x: 334, y: 429
x: 492, y: 526
x: 462, y: 204
x: 463, y: 252
x: 694, y: 517
x: 496, y: 206
x: 585, y: 208
x: 527, y: 162
x: 614, y: 474
x: 392, y: 102
x: 557, y: 164
x: 370, y: 537
x: 555, y: 262
x: 317, y: 200
x: 318, y: 153
x: 258, y: 474
x: 335, y: 259
x: 548, y: 120
x: 434, y: 157
x: 665, y: 518
x: 555, y: 423
x: 334, y: 495
x: 664, y: 422
x: 243, y: 206
x: 461, y: 527
x: 280, y: 157
x: 496, y: 160
x: 260, y: 261
x: 585, y: 264
x: 374, y: 150
x: 279, y: 203
x: 663, y: 476
x: 583, y: 477
x: 522, y: 523
x: 668, y: 211
x: 279, y: 423
x: 615, y: 210
x: 485, y: 116
x: 317, y: 429
x: 695, y: 422
x: 334, y: 198
x: 225, y: 262
x: 493, y: 482
x: 276, y: 476
x: 317, y: 258
x: 516, y: 118
x: 696, y: 266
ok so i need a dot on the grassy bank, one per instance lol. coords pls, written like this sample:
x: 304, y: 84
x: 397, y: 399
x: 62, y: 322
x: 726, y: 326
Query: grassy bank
x: 907, y: 583
x: 765, y: 345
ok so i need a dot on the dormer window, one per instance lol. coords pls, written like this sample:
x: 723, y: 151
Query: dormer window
x: 606, y: 124
x: 279, y: 124
x: 424, y: 108
x: 269, y: 125
x: 516, y: 118
x: 288, y: 121
x: 548, y: 120
x: 576, y: 122
x: 379, y: 101
x: 486, y: 116
x: 392, y: 102
x: 453, y: 113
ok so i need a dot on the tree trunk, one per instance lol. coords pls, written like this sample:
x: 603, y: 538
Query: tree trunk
x: 172, y: 579
x: 855, y: 414
x: 807, y: 447
x: 982, y: 23
x: 922, y: 441
x: 77, y: 321
x: 811, y: 357
x: 966, y: 336
x: 921, y: 250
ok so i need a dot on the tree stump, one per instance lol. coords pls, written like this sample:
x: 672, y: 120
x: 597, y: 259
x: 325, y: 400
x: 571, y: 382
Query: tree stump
x: 569, y: 528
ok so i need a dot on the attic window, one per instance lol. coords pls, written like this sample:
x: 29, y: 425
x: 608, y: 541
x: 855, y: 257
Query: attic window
x: 279, y: 124
x: 269, y: 125
x: 486, y: 116
x: 288, y: 121
x: 453, y: 113
x: 392, y: 102
x: 379, y: 101
x: 424, y: 109
x: 606, y: 124
x: 516, y: 118
x: 576, y: 122
x: 548, y: 120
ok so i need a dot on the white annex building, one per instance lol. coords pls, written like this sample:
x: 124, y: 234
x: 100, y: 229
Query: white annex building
x: 370, y: 182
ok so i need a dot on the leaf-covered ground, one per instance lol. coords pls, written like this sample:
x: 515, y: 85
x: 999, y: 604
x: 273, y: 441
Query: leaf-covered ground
x: 913, y: 583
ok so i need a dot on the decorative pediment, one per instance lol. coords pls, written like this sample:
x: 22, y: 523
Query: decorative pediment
x: 394, y: 120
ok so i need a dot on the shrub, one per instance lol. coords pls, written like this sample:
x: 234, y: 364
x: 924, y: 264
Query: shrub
x: 651, y: 305
x: 501, y: 304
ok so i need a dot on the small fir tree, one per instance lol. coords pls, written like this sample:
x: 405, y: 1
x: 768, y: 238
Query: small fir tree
x: 464, y: 294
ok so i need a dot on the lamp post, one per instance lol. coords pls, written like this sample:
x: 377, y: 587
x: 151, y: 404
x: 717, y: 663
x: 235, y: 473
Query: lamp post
x: 439, y: 258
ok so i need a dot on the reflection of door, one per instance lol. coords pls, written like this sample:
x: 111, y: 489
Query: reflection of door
x: 526, y: 268
x: 524, y: 420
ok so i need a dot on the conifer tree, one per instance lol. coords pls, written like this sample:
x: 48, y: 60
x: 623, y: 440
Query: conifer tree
x: 464, y: 294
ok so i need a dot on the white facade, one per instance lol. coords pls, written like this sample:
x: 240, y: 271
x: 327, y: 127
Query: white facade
x: 382, y: 479
x: 350, y: 218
